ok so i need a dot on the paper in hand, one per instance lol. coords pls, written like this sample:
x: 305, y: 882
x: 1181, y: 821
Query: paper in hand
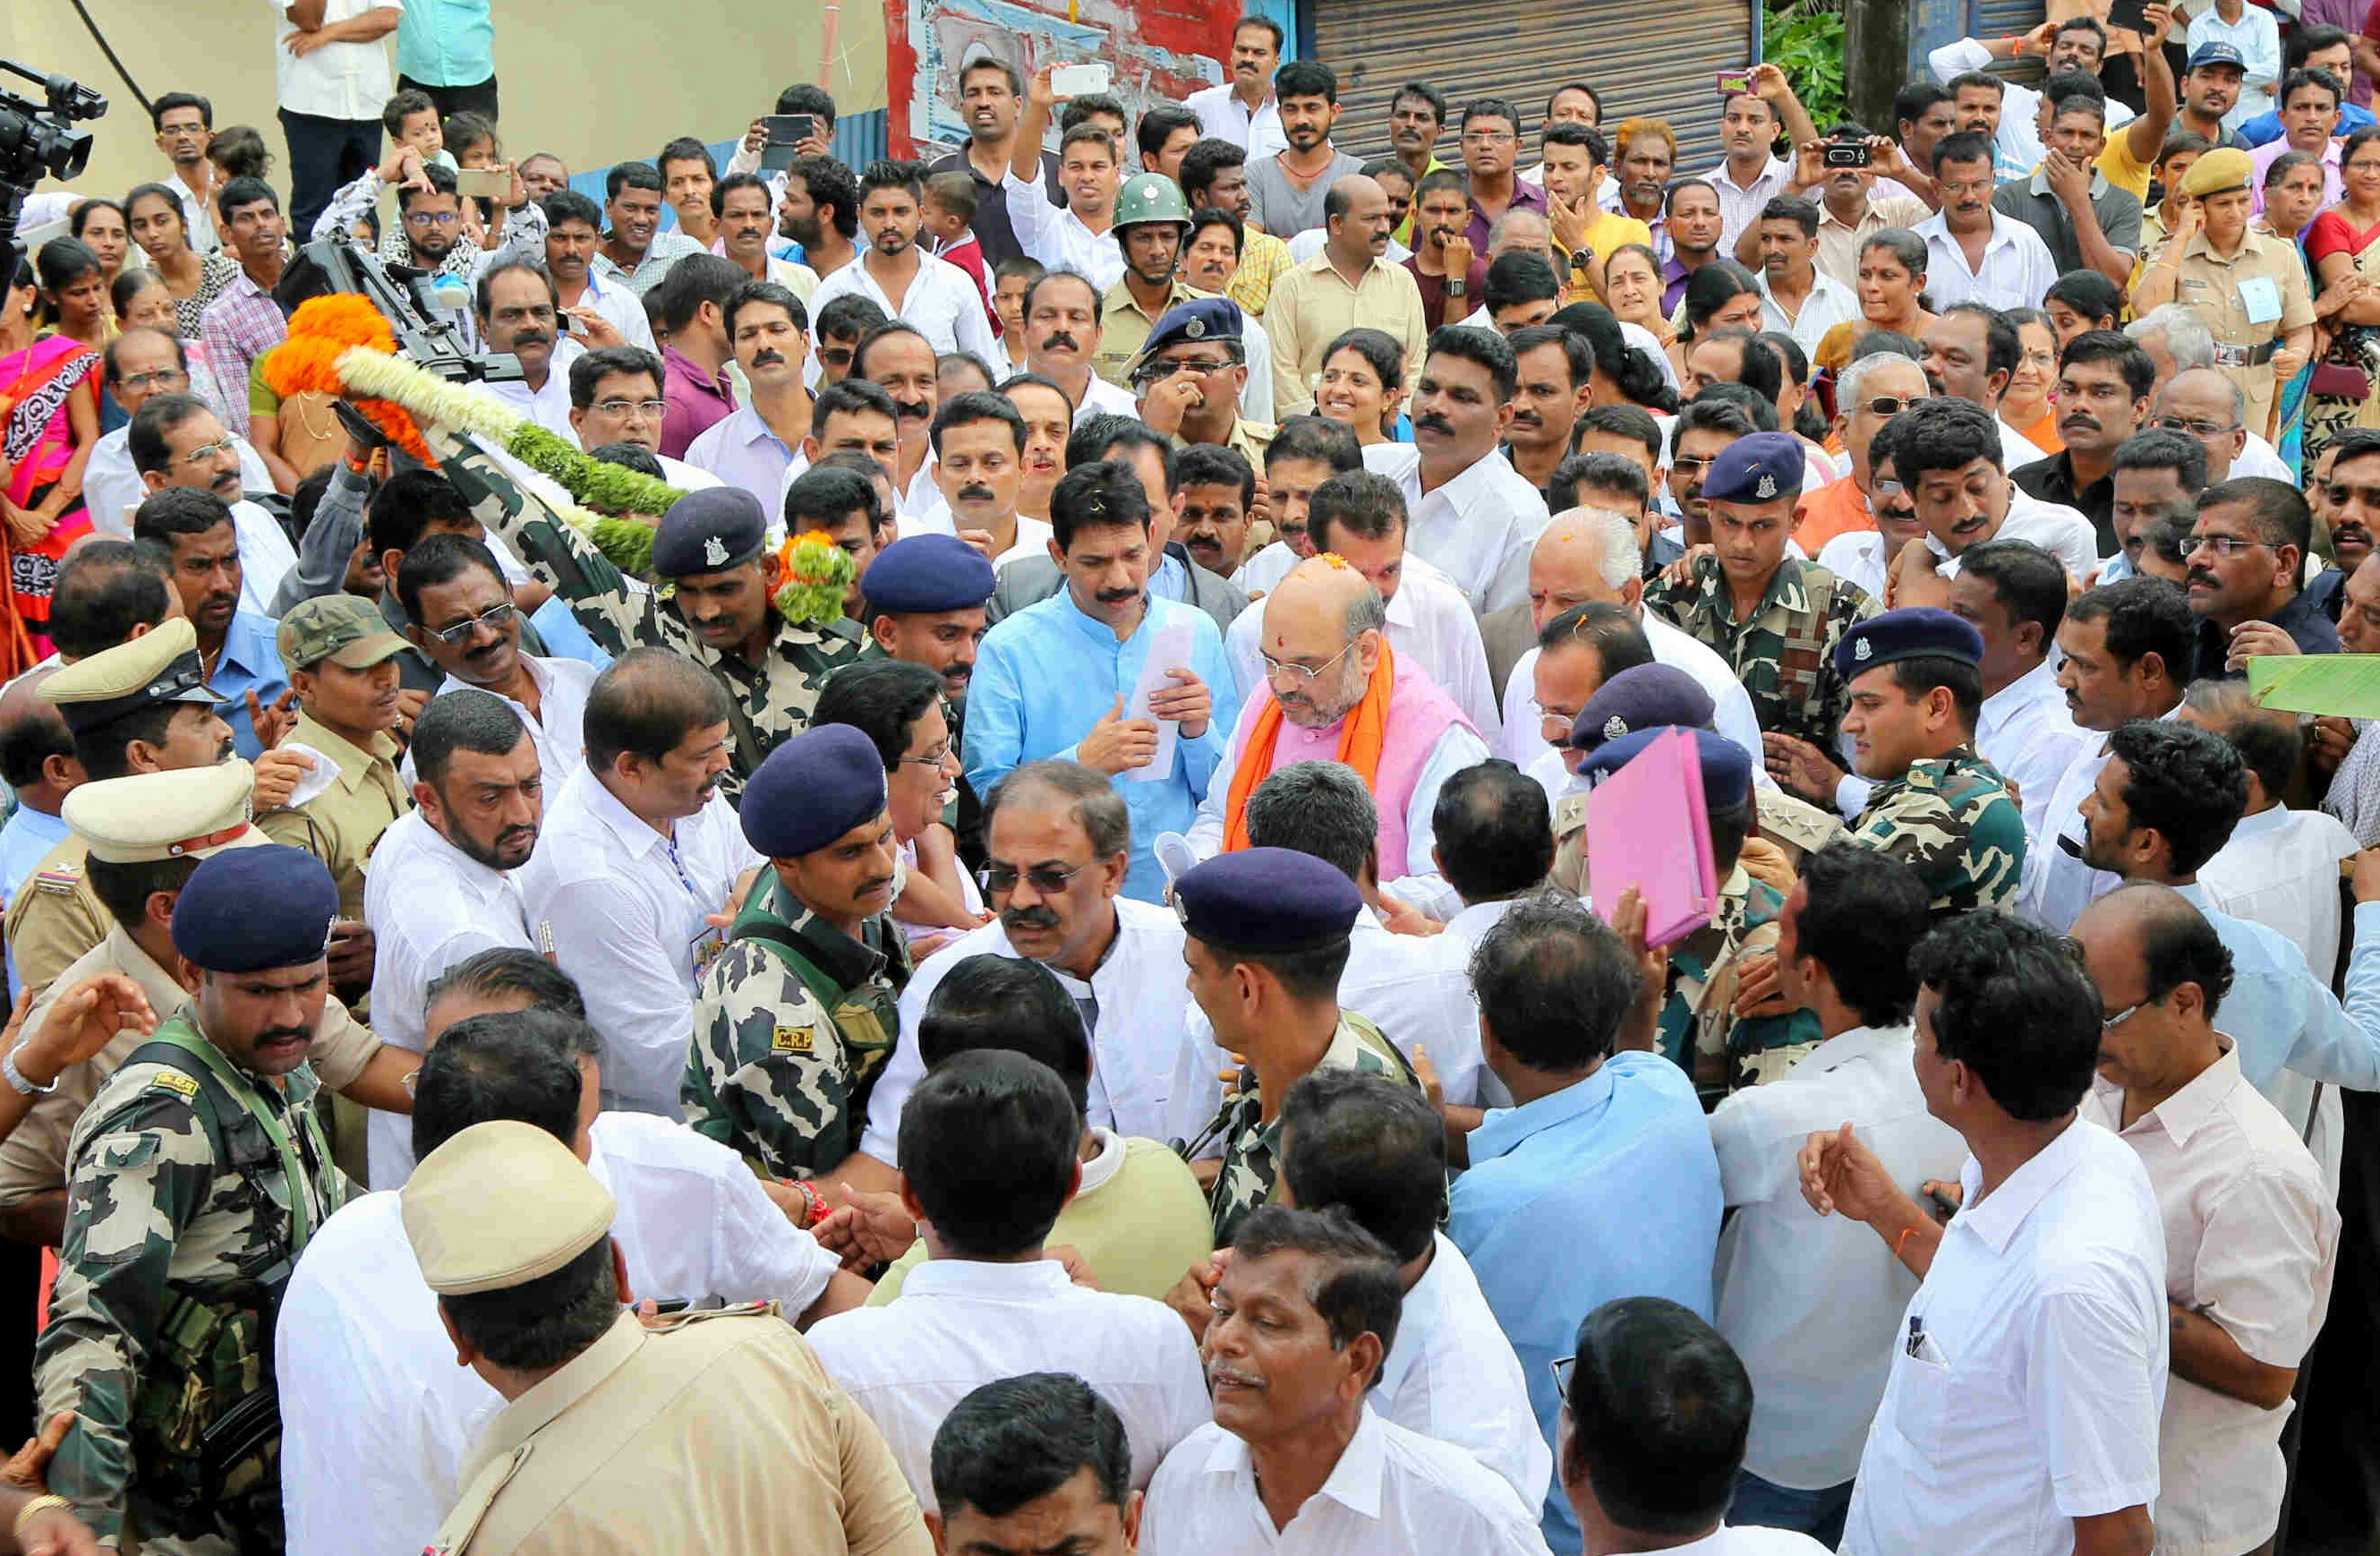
x: 1168, y: 649
x: 2343, y: 686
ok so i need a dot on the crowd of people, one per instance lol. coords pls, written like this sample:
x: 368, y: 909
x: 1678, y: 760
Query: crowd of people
x: 1022, y: 968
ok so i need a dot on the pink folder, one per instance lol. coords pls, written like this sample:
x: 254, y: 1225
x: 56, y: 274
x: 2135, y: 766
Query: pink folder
x: 1646, y: 828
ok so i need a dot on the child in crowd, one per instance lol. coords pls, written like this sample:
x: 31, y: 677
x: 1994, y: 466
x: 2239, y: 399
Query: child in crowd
x: 948, y: 211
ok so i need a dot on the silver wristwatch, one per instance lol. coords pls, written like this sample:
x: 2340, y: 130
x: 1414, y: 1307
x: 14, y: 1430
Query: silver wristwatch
x: 16, y: 1078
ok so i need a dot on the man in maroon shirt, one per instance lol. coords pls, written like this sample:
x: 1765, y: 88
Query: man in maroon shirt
x: 1443, y: 263
x: 692, y: 302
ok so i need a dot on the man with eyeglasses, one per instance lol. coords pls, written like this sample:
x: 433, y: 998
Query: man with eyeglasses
x: 617, y: 396
x: 459, y: 614
x: 176, y: 441
x: 795, y: 1018
x: 434, y: 231
x: 141, y: 363
x: 1868, y: 393
x: 1191, y: 374
x: 2246, y: 556
x: 2168, y: 797
x: 2208, y: 407
x: 184, y: 125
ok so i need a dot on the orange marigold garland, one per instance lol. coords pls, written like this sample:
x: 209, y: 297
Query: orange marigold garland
x: 817, y: 574
x: 308, y: 362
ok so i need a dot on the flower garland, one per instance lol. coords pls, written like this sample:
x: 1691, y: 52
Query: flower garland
x: 610, y: 490
x: 323, y: 329
x: 818, y: 575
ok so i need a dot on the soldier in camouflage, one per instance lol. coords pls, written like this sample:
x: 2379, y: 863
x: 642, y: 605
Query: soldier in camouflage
x: 1699, y: 1027
x: 793, y: 1021
x: 1266, y: 939
x: 197, y: 1175
x: 1916, y: 687
x: 1776, y: 620
x: 718, y: 609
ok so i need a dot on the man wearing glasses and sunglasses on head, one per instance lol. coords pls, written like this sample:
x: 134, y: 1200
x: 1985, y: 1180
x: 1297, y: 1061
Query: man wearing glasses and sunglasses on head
x: 2246, y: 554
x: 461, y: 616
x: 1871, y: 392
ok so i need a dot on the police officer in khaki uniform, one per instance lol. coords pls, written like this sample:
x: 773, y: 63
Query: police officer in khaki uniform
x: 145, y: 835
x: 2249, y: 289
x: 143, y: 706
x: 709, y: 1432
x: 341, y: 661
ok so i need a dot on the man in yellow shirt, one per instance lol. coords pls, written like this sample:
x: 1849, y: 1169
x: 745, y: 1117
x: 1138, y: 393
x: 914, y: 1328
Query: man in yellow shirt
x: 1577, y: 161
x: 2130, y: 155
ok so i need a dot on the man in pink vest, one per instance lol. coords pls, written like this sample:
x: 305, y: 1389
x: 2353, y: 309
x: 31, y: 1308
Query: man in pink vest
x: 1336, y: 691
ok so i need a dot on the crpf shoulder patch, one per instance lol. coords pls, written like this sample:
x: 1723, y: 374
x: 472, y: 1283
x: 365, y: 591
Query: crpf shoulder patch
x: 791, y: 1039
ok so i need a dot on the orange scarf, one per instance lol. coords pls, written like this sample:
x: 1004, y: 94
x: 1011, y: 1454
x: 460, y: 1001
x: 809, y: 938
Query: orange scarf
x: 1360, y: 741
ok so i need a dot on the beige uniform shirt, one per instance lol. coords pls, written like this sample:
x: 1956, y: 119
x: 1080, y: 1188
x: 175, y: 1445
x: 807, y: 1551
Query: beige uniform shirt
x: 33, y: 1157
x: 54, y: 917
x: 340, y: 825
x: 1312, y: 306
x: 720, y: 1433
x: 1838, y: 241
x: 2227, y: 293
x: 1124, y: 326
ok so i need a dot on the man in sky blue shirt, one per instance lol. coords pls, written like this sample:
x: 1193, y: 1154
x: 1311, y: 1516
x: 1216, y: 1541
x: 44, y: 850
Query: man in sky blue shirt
x: 37, y: 762
x: 1057, y: 678
x: 2165, y: 802
x: 1600, y: 1181
x: 447, y: 48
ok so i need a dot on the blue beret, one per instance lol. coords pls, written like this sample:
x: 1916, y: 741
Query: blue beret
x: 1199, y: 318
x: 1905, y: 634
x: 811, y: 790
x: 708, y: 531
x: 1266, y: 899
x: 1727, y: 767
x: 927, y: 573
x: 1760, y: 468
x: 1643, y: 698
x: 251, y: 909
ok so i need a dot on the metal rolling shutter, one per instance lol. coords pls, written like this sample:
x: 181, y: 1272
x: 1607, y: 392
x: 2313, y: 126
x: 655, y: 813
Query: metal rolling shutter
x: 2004, y: 18
x: 1653, y: 57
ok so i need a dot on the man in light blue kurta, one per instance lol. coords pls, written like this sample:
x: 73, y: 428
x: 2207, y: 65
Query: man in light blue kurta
x: 1601, y: 1182
x: 1047, y: 679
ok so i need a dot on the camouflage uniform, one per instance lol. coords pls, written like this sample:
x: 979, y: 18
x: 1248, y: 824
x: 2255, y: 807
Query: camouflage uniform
x: 771, y: 702
x: 1785, y: 653
x: 1251, y: 1147
x: 1699, y: 1031
x: 1952, y: 820
x: 180, y: 1237
x: 789, y: 1038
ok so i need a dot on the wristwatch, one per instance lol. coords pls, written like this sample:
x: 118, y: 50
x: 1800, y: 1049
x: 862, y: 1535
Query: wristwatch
x: 16, y: 1078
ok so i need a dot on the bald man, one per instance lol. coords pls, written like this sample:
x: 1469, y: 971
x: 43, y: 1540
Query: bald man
x: 1335, y: 691
x: 38, y: 761
x: 1351, y: 282
x: 1588, y: 555
x: 2204, y: 405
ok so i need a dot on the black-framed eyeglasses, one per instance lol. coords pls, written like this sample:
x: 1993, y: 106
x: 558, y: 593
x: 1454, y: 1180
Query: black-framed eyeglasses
x: 1048, y: 879
x: 1561, y: 1366
x: 2194, y: 429
x: 2224, y: 546
x: 492, y: 618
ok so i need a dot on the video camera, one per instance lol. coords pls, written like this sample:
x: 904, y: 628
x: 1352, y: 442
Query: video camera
x: 35, y: 142
x: 424, y: 337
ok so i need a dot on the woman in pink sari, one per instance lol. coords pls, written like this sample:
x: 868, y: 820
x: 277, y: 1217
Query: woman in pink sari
x: 49, y: 420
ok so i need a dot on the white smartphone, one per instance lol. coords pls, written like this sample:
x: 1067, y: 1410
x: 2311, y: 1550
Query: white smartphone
x: 1081, y: 80
x: 483, y: 183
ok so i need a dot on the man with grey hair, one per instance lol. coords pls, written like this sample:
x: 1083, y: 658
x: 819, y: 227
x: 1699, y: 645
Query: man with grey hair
x: 1589, y: 556
x: 1057, y: 839
x: 2210, y: 408
x: 1421, y: 1004
x: 2178, y: 341
x: 1871, y: 392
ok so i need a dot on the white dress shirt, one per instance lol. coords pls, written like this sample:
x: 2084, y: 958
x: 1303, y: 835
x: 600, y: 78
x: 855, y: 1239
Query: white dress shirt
x: 1830, y: 303
x: 621, y: 909
x: 1428, y: 618
x: 377, y: 1416
x: 1478, y: 529
x: 562, y: 688
x: 2040, y: 1371
x: 198, y: 214
x: 1452, y: 1376
x: 112, y: 488
x: 739, y: 449
x: 1416, y: 1001
x: 2259, y: 458
x: 2017, y: 450
x: 337, y: 80
x: 1102, y: 398
x: 548, y: 406
x: 1523, y: 743
x: 1225, y: 117
x: 2281, y: 869
x: 1141, y: 1003
x: 1393, y: 1492
x: 1860, y: 556
x: 1740, y: 204
x: 2251, y: 1242
x: 942, y: 304
x: 1262, y: 573
x: 959, y: 1324
x: 2025, y: 730
x: 618, y: 302
x: 265, y: 554
x: 1814, y: 1304
x: 430, y: 905
x: 2058, y: 885
x: 2019, y: 144
x: 1057, y: 236
x: 2017, y: 269
x: 2062, y: 531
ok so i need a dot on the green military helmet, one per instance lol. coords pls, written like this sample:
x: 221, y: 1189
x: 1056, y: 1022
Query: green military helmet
x: 1150, y: 197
